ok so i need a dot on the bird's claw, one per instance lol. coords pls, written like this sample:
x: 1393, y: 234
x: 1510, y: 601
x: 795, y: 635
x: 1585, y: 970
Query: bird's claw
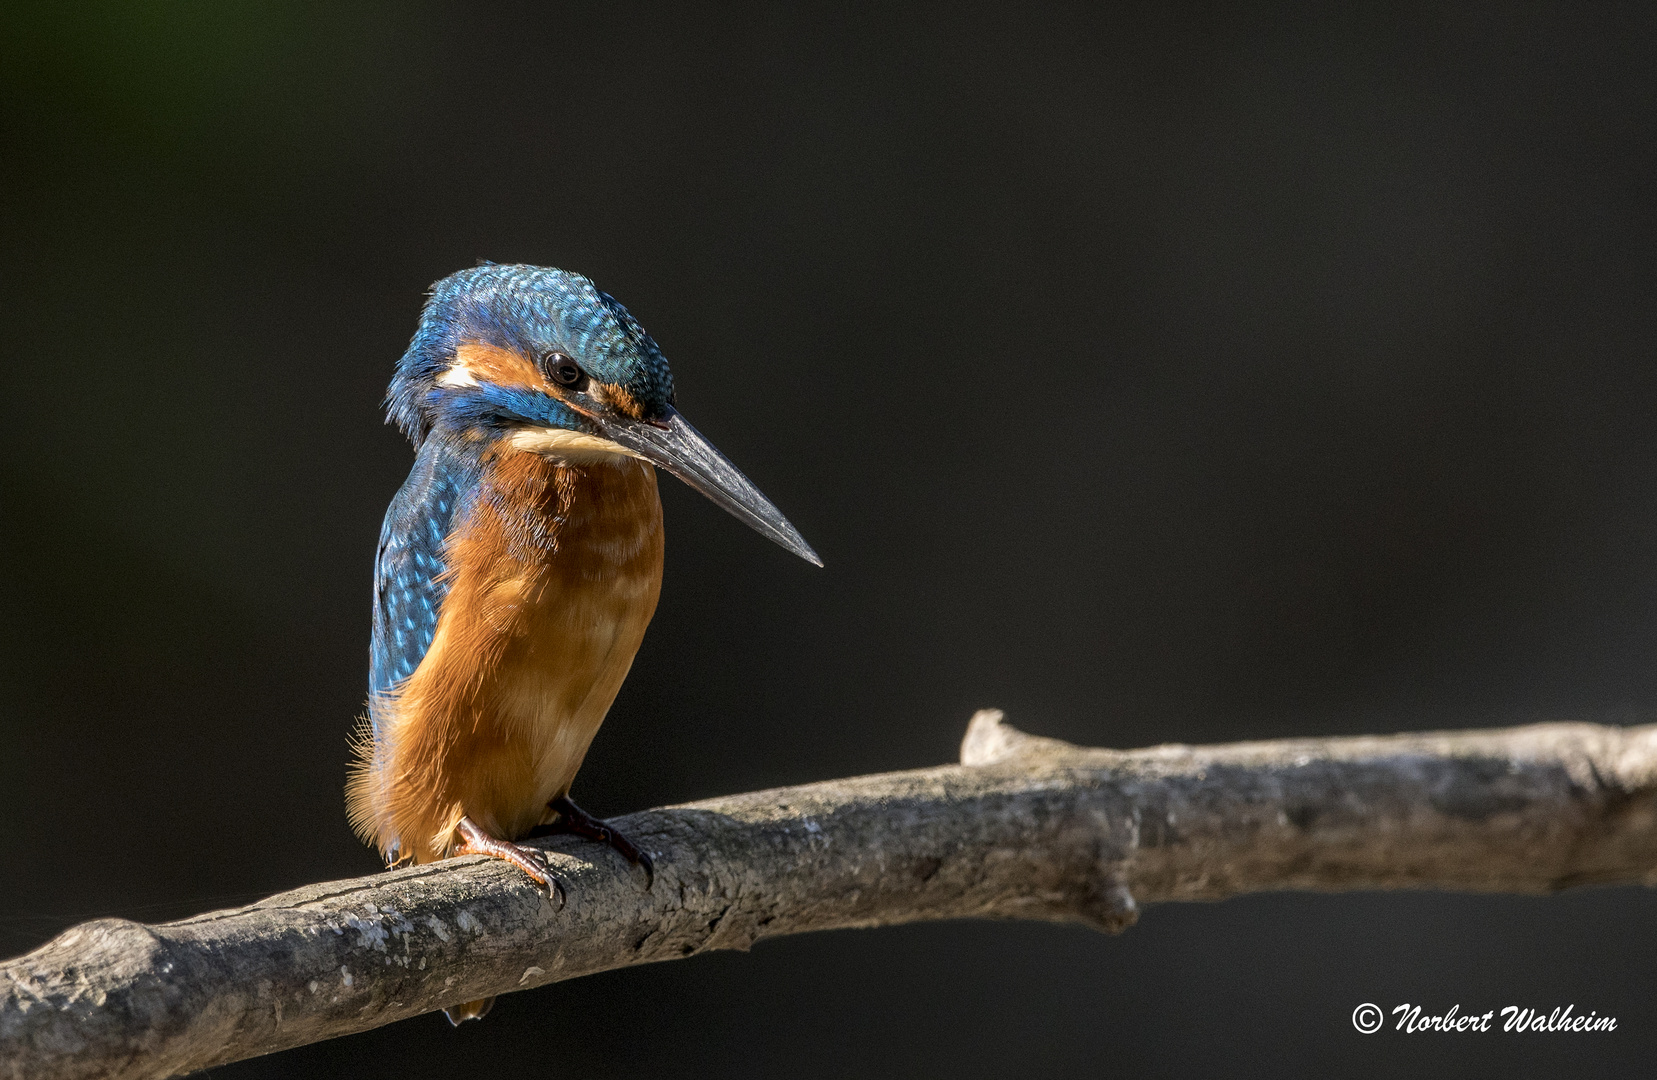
x: 532, y: 861
x: 554, y: 884
x: 573, y: 819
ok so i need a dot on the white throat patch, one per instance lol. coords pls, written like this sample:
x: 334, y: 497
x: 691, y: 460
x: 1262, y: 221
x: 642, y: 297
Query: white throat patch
x: 574, y: 447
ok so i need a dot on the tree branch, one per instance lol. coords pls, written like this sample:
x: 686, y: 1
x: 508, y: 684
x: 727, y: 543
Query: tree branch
x: 1024, y: 828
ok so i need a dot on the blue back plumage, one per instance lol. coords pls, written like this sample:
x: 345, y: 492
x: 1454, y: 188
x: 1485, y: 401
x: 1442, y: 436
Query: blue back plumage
x: 408, y: 595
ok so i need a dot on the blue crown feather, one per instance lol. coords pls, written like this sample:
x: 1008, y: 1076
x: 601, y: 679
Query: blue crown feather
x: 532, y: 310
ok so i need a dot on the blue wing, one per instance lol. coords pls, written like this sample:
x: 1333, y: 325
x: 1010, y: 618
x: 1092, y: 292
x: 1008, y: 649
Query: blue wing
x: 408, y: 595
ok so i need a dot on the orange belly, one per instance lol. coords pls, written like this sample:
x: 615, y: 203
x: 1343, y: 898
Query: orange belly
x: 553, y: 578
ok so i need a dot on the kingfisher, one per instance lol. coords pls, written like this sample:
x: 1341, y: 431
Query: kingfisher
x: 519, y: 564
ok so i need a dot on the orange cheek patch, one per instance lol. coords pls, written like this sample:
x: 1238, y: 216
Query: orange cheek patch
x: 492, y: 364
x: 620, y: 399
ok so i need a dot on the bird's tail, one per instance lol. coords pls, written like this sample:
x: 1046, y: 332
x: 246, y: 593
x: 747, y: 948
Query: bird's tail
x: 471, y: 1010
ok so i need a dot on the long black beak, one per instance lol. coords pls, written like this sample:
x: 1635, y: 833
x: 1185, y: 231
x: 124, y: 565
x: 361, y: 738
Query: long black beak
x: 673, y: 444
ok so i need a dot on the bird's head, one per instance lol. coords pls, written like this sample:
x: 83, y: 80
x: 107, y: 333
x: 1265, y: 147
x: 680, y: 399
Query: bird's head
x: 543, y: 362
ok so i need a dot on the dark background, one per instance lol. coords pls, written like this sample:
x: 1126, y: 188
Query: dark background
x: 1153, y: 374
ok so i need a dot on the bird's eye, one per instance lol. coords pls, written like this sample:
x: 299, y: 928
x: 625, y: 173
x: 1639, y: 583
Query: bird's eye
x: 562, y: 370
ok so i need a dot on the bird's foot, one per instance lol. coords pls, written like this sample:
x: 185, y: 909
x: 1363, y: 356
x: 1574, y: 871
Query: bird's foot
x: 532, y: 861
x: 573, y: 819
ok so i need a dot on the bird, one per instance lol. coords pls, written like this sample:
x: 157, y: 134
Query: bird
x: 519, y: 564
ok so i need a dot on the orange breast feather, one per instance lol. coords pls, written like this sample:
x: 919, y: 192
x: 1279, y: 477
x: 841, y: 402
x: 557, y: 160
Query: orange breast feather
x: 553, y: 577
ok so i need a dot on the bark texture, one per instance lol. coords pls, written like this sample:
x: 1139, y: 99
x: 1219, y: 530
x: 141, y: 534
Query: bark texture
x: 1023, y: 828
